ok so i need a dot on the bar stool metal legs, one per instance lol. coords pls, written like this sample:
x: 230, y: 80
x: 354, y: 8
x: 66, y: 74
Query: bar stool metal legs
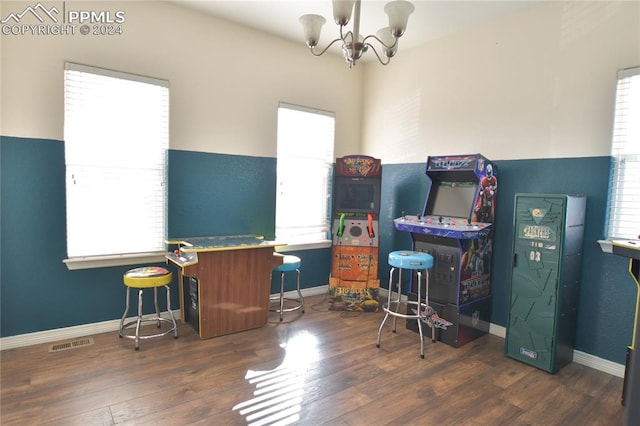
x: 141, y: 278
x: 419, y: 262
x: 290, y: 263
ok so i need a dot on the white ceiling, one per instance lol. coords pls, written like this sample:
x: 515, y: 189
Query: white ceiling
x: 430, y: 20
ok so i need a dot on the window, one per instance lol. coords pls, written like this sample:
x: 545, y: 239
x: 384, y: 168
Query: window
x: 624, y: 186
x: 304, y: 174
x: 116, y: 131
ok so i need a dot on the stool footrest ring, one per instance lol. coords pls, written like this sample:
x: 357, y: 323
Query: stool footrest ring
x: 387, y: 307
x: 136, y: 323
x: 145, y: 336
x: 299, y: 304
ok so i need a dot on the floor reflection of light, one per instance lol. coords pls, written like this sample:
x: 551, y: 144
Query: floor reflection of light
x: 279, y: 392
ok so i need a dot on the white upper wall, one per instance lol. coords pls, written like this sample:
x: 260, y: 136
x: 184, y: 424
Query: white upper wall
x: 536, y: 84
x: 226, y: 80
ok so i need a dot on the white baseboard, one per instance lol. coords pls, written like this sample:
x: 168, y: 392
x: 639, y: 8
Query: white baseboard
x: 600, y: 364
x: 314, y: 291
x: 83, y: 330
x: 497, y: 330
x: 67, y: 333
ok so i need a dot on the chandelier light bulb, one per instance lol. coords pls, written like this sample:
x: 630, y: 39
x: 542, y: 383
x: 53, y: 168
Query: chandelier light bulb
x: 342, y: 10
x: 398, y: 12
x: 311, y: 26
x: 389, y: 41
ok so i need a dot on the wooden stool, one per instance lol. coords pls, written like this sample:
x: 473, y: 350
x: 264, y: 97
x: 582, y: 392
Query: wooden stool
x: 289, y: 264
x: 417, y: 261
x: 141, y: 278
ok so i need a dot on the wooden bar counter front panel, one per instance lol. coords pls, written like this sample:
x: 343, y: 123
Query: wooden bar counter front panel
x: 234, y: 283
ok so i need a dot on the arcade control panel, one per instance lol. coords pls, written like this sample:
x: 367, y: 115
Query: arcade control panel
x: 451, y: 227
x: 182, y: 259
x: 355, y: 232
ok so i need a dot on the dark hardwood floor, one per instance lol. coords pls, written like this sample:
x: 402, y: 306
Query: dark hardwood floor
x: 316, y: 368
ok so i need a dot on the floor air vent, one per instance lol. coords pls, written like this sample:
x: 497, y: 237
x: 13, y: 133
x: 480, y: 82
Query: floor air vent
x: 71, y: 345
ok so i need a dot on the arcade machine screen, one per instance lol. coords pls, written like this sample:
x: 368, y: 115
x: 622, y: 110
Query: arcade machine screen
x: 452, y: 199
x: 357, y: 195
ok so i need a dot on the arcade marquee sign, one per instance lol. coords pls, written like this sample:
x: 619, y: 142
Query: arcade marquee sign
x: 59, y: 19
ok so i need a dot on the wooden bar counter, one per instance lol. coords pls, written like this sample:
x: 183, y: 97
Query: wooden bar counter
x: 233, y: 279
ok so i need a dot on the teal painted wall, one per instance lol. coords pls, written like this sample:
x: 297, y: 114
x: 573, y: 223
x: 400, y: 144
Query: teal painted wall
x: 208, y: 195
x: 216, y: 194
x: 226, y: 194
x: 37, y: 292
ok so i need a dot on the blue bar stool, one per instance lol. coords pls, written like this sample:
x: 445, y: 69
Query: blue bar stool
x: 141, y: 278
x: 417, y: 261
x: 289, y: 264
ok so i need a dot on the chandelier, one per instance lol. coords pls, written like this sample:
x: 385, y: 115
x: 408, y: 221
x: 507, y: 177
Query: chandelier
x: 353, y: 43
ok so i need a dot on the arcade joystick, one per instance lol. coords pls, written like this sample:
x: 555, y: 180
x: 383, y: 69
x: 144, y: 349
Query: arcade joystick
x: 370, y: 227
x: 341, y: 226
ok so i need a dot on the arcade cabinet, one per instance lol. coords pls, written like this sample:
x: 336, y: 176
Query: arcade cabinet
x: 545, y: 279
x: 354, y: 283
x: 455, y: 227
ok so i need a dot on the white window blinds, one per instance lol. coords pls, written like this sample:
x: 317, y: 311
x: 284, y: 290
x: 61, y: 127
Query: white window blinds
x: 624, y: 187
x: 116, y: 133
x: 304, y: 174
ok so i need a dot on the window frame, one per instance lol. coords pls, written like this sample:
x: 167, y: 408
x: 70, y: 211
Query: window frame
x: 619, y: 134
x: 119, y: 259
x: 621, y: 140
x: 319, y: 243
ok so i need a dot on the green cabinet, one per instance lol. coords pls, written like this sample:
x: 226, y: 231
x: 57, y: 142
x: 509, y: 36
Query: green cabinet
x: 545, y: 280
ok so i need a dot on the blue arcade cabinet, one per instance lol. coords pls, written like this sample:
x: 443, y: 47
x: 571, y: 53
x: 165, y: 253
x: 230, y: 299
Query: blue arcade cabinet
x: 455, y: 227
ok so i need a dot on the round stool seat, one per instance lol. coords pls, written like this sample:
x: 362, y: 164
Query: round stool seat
x: 289, y: 263
x: 407, y: 259
x: 147, y: 277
